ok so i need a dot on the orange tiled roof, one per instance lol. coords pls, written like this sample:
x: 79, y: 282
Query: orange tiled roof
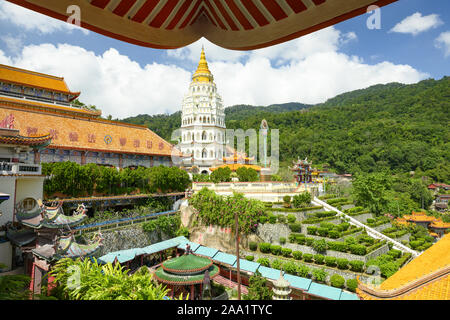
x: 419, y: 217
x: 52, y: 107
x: 440, y: 224
x: 34, y: 79
x: 433, y: 263
x: 80, y: 133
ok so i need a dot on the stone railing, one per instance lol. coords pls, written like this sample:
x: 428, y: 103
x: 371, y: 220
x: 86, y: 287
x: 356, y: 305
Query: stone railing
x: 370, y: 231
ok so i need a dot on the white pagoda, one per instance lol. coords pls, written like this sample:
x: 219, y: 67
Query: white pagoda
x: 202, y: 121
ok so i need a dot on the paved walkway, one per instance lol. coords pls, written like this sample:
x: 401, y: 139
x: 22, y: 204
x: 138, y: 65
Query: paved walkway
x: 230, y: 284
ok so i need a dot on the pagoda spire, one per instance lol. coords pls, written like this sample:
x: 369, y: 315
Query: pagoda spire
x: 202, y: 74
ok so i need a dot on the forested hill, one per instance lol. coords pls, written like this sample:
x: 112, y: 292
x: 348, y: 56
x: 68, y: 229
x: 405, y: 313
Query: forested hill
x: 398, y: 127
x: 163, y: 124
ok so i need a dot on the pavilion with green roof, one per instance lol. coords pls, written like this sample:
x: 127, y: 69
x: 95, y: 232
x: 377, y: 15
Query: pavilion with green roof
x: 184, y: 271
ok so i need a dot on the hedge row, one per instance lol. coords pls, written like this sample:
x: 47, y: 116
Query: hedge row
x: 295, y: 209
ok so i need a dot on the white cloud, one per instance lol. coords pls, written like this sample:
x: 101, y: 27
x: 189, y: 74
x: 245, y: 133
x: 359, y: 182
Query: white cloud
x: 13, y: 43
x: 111, y: 81
x: 311, y: 70
x: 33, y: 21
x: 443, y: 42
x: 417, y: 23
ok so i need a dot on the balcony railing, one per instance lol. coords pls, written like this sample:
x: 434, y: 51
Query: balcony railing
x: 8, y: 168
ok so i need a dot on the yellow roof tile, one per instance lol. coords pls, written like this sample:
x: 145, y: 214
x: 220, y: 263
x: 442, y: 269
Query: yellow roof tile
x: 435, y: 259
x: 79, y: 133
x: 33, y: 79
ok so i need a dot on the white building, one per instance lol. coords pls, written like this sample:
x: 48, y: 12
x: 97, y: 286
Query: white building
x: 21, y: 181
x: 203, y: 121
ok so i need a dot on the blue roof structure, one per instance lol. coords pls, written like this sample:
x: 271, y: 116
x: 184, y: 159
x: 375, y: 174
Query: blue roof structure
x: 246, y: 265
x: 206, y: 251
x: 348, y: 296
x: 193, y: 245
x: 226, y: 258
x: 129, y: 254
x: 298, y: 282
x: 270, y: 273
x: 324, y: 291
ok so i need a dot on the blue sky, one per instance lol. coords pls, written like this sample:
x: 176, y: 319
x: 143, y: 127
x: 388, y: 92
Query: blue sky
x: 125, y: 80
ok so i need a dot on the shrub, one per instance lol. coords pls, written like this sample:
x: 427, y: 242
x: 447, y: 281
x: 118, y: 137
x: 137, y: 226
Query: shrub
x: 295, y: 226
x: 291, y: 218
x: 264, y: 262
x: 286, y: 252
x: 342, y: 263
x: 301, y: 200
x: 343, y: 226
x: 272, y: 218
x: 318, y: 258
x: 356, y: 265
x: 309, y: 241
x: 327, y: 225
x: 323, y: 232
x: 337, y: 281
x: 292, y: 237
x: 275, y: 249
x: 263, y: 219
x: 337, y: 246
x: 320, y: 245
x: 303, y: 271
x: 301, y: 240
x: 297, y: 255
x: 330, y: 261
x: 250, y: 258
x: 320, y: 275
x: 307, y: 257
x: 358, y: 249
x: 334, y: 234
x: 290, y: 267
x: 281, y: 218
x: 264, y: 247
x: 282, y: 240
x: 352, y: 284
x: 395, y: 253
x: 253, y: 246
x: 369, y: 221
x: 287, y: 199
x: 277, y: 264
x: 311, y: 230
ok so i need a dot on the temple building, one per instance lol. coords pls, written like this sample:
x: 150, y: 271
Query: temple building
x: 202, y: 121
x: 40, y: 104
x: 427, y: 277
x: 436, y: 227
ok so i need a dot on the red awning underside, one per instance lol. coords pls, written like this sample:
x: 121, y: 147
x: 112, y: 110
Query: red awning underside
x: 232, y: 24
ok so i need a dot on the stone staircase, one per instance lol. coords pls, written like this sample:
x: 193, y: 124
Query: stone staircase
x: 370, y: 231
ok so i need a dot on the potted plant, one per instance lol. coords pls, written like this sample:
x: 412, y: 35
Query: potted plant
x: 287, y: 201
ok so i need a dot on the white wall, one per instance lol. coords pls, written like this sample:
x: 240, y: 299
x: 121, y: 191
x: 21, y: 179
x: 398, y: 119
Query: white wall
x: 6, y: 254
x: 7, y: 184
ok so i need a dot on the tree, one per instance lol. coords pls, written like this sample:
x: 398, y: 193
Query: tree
x: 371, y: 190
x: 221, y: 175
x: 247, y: 174
x: 258, y: 289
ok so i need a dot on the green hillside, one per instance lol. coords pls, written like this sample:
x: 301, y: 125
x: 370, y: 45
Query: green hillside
x: 397, y: 127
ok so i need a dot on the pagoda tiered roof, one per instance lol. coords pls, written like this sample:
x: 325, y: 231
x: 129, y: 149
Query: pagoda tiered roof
x: 186, y: 270
x: 67, y: 247
x: 427, y: 277
x: 12, y: 137
x: 53, y: 218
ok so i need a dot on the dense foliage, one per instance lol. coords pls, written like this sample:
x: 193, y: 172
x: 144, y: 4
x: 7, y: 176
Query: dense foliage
x: 72, y: 179
x: 394, y: 126
x: 216, y: 210
x: 87, y: 280
x: 247, y: 174
x: 258, y: 289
